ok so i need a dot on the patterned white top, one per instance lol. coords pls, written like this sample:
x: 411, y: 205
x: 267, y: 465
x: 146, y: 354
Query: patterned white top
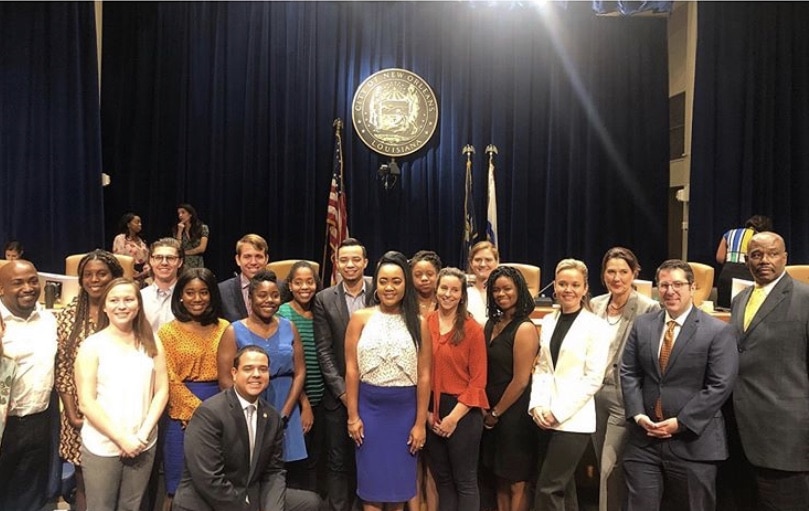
x: 386, y: 353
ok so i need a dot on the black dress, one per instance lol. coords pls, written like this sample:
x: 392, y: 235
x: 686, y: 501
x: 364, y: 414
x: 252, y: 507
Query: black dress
x: 509, y: 450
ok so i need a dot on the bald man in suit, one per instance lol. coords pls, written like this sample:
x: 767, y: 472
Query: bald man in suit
x: 771, y: 398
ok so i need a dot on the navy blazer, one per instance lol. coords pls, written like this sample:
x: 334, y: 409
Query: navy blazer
x: 331, y: 316
x: 699, y: 378
x: 233, y: 308
x: 218, y: 475
x: 771, y: 398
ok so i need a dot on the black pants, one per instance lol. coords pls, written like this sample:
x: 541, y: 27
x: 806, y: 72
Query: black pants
x: 454, y: 460
x: 559, y: 455
x: 341, y: 469
x: 305, y: 474
x: 25, y: 462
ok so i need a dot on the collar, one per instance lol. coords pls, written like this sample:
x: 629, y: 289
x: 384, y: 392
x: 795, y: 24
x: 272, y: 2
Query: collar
x: 767, y: 288
x: 170, y: 289
x: 681, y: 318
x: 243, y: 281
x: 9, y: 316
x: 363, y: 291
x: 244, y: 403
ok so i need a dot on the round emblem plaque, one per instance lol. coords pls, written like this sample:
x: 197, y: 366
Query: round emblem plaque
x: 394, y: 112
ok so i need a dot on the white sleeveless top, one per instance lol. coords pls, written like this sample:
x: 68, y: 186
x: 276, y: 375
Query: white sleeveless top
x: 124, y: 389
x: 386, y: 354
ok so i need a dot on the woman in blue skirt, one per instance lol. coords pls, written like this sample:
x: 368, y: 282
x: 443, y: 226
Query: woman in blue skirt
x: 388, y: 355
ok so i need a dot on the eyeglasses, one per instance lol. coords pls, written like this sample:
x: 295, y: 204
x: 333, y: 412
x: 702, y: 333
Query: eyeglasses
x: 165, y: 259
x: 676, y: 285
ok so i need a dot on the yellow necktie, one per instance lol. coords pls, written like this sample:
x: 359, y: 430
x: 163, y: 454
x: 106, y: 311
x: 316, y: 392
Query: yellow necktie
x: 753, y: 304
x: 665, y: 353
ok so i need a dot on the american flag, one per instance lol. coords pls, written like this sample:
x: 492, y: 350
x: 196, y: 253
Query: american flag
x: 469, y: 227
x: 336, y: 213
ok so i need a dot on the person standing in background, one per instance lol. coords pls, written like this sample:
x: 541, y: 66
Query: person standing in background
x: 192, y: 235
x: 128, y: 242
x: 731, y: 254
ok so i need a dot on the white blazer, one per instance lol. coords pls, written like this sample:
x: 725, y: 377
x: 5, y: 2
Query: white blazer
x: 568, y: 389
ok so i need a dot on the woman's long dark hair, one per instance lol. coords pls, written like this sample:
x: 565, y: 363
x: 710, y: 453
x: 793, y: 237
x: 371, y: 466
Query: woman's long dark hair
x: 461, y: 313
x: 195, y: 225
x: 82, y: 320
x: 525, y: 302
x: 214, y: 310
x: 410, y: 305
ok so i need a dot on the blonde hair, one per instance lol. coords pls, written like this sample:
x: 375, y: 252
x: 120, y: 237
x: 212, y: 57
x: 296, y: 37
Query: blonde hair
x: 575, y: 264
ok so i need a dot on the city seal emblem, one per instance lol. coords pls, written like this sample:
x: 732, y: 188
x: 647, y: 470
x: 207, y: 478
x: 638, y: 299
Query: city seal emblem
x: 394, y: 112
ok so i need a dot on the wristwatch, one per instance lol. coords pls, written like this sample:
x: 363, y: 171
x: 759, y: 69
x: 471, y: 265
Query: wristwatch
x: 493, y: 413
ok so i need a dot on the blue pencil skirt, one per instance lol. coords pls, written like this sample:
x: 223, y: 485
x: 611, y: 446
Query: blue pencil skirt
x: 386, y: 471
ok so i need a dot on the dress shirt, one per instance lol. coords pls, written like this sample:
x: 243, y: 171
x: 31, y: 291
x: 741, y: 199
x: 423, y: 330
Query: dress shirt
x: 157, y: 305
x: 31, y: 343
x: 355, y: 303
x: 244, y: 282
x: 679, y: 320
x: 247, y: 417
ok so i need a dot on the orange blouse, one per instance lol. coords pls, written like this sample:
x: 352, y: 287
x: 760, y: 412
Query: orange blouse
x: 189, y: 357
x: 459, y: 370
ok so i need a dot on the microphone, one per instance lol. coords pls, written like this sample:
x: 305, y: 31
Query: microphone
x: 541, y: 300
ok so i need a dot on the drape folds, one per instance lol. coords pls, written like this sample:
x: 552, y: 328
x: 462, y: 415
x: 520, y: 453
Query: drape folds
x: 750, y: 152
x: 50, y: 146
x: 229, y: 106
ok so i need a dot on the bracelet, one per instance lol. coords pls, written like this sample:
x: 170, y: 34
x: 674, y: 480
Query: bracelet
x: 351, y: 423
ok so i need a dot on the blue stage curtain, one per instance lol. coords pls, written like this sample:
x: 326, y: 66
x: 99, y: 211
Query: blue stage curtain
x: 749, y: 149
x: 229, y: 106
x: 50, y: 147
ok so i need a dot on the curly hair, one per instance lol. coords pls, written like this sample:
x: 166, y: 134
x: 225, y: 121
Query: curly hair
x: 525, y: 302
x: 82, y: 323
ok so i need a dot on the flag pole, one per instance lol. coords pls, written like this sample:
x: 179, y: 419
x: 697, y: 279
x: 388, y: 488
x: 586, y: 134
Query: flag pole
x: 491, y: 199
x: 338, y: 126
x: 469, y: 213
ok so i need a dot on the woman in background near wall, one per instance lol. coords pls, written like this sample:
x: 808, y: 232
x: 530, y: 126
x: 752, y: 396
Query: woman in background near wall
x: 455, y: 422
x: 508, y: 449
x: 570, y: 369
x: 483, y: 258
x: 618, y: 307
x: 732, y: 253
x: 192, y: 235
x: 74, y: 324
x: 128, y: 242
x: 123, y: 389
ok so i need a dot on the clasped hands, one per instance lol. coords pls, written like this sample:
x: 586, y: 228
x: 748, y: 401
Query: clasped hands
x: 662, y: 429
x: 544, y: 418
x: 132, y: 445
x: 443, y: 428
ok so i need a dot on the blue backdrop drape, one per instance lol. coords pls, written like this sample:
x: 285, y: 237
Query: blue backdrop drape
x: 229, y: 106
x: 50, y: 147
x: 749, y: 150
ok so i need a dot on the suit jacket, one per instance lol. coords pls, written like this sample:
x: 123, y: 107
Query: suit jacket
x: 233, y: 308
x: 771, y: 397
x: 330, y: 322
x: 568, y: 387
x: 699, y: 378
x: 636, y: 305
x: 218, y: 475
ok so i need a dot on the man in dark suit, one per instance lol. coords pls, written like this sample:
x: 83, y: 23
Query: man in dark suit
x: 233, y: 448
x: 678, y: 369
x: 771, y: 398
x: 332, y: 308
x: 251, y: 256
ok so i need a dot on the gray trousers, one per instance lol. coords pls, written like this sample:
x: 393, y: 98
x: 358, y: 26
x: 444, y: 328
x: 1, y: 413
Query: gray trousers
x: 113, y: 483
x: 609, y: 442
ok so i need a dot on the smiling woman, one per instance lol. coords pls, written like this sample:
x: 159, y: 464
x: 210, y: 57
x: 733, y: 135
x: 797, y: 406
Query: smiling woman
x: 123, y: 389
x: 191, y: 341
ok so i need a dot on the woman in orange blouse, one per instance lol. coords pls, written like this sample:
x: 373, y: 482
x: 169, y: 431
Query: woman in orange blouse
x: 191, y: 342
x: 455, y: 423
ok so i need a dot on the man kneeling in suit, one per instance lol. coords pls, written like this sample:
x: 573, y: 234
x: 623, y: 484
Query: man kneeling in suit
x: 679, y: 367
x: 233, y: 449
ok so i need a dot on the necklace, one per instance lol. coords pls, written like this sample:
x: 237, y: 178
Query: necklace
x: 618, y: 320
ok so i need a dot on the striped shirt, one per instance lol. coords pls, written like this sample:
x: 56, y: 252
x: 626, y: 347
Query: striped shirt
x: 314, y: 385
x: 737, y: 240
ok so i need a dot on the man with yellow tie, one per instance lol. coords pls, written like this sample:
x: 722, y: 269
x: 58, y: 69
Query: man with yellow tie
x: 771, y: 397
x: 677, y: 370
